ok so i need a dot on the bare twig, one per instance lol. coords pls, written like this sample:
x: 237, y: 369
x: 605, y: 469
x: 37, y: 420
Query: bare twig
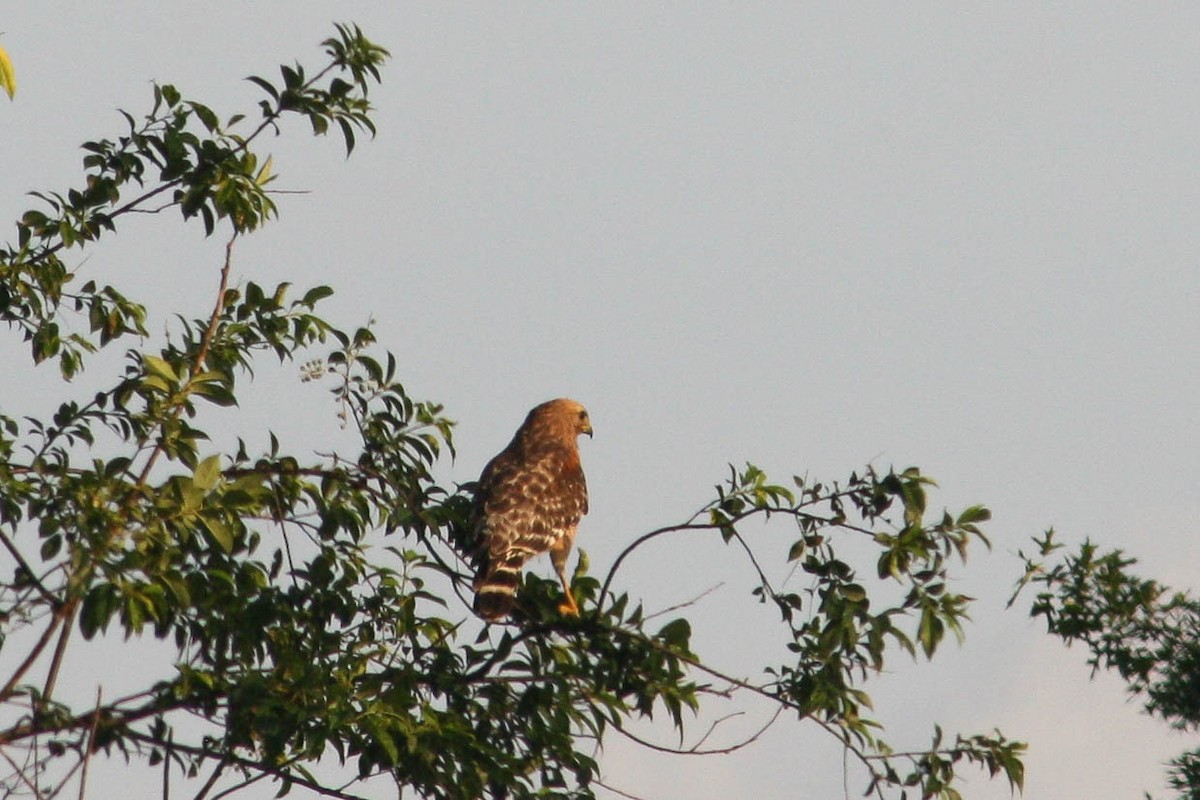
x: 229, y: 759
x: 67, y: 614
x: 218, y: 307
x: 89, y: 747
x: 201, y: 354
x: 62, y: 783
x: 24, y: 565
x: 32, y: 656
x: 212, y: 779
x: 237, y: 787
x: 20, y: 773
x: 685, y: 603
x: 32, y: 729
x: 638, y: 542
x: 695, y: 749
x: 784, y: 702
x: 762, y: 576
x: 846, y: 772
x: 166, y: 777
x: 617, y: 791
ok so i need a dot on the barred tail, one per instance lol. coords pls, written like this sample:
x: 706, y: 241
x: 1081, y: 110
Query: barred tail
x: 496, y: 585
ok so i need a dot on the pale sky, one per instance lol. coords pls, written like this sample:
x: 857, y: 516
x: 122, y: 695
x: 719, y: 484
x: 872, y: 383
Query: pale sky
x: 807, y: 236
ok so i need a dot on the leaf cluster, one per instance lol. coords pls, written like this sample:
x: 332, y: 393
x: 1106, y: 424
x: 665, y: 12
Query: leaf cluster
x: 1144, y: 631
x: 179, y: 155
x: 837, y: 630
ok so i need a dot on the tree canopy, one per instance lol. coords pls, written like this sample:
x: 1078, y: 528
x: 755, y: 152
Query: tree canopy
x: 315, y: 604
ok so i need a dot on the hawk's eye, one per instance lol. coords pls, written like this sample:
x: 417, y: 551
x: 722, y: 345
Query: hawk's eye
x: 583, y: 415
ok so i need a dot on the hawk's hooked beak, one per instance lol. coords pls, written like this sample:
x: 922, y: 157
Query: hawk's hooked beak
x: 587, y: 428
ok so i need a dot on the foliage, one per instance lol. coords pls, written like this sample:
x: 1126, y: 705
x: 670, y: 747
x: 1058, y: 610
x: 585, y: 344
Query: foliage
x: 1147, y: 633
x: 315, y: 604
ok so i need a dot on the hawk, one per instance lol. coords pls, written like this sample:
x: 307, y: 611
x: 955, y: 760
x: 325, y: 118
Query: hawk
x: 530, y: 498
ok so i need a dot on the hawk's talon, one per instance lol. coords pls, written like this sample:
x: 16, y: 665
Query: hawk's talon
x: 568, y: 607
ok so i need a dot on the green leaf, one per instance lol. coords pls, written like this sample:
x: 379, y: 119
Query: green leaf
x: 930, y: 631
x: 974, y: 514
x: 159, y: 367
x: 157, y: 383
x: 220, y: 532
x: 51, y: 546
x: 676, y: 633
x: 216, y: 393
x: 853, y: 592
x: 98, y: 606
x: 207, y: 473
x: 315, y: 295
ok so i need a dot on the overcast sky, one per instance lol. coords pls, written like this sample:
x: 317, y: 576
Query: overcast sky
x: 808, y: 236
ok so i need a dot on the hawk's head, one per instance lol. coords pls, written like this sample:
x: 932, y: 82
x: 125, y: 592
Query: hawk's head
x: 563, y: 416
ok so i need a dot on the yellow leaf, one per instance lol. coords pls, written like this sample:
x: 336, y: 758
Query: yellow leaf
x: 8, y: 78
x: 264, y: 175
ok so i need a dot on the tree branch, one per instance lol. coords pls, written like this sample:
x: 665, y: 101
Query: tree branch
x: 218, y: 768
x: 695, y: 749
x: 24, y: 565
x: 242, y: 146
x: 617, y: 791
x: 20, y: 773
x: 90, y: 747
x: 201, y: 354
x: 685, y: 603
x: 250, y: 764
x: 67, y: 614
x: 34, y: 653
x: 213, y: 320
x: 112, y: 714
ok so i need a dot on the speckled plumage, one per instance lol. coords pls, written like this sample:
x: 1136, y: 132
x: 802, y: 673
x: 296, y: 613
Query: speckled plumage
x: 530, y: 499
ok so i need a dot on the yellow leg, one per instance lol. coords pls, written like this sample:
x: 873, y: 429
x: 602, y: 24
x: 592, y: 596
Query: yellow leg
x: 567, y: 606
x: 558, y: 556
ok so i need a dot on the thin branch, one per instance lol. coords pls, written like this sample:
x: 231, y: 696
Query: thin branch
x: 237, y: 787
x: 695, y: 749
x: 20, y: 773
x: 617, y: 791
x: 67, y: 613
x: 166, y: 777
x: 113, y: 712
x: 212, y: 779
x: 794, y: 511
x: 638, y: 542
x: 762, y: 576
x: 215, y: 318
x: 62, y: 784
x: 201, y: 354
x: 685, y: 603
x: 730, y: 749
x: 33, y: 655
x: 243, y: 145
x: 90, y: 747
x: 759, y: 690
x: 24, y: 565
x: 846, y: 772
x: 245, y: 763
x: 157, y: 210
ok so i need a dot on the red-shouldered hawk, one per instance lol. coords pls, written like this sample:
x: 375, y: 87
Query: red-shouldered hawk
x: 530, y: 499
